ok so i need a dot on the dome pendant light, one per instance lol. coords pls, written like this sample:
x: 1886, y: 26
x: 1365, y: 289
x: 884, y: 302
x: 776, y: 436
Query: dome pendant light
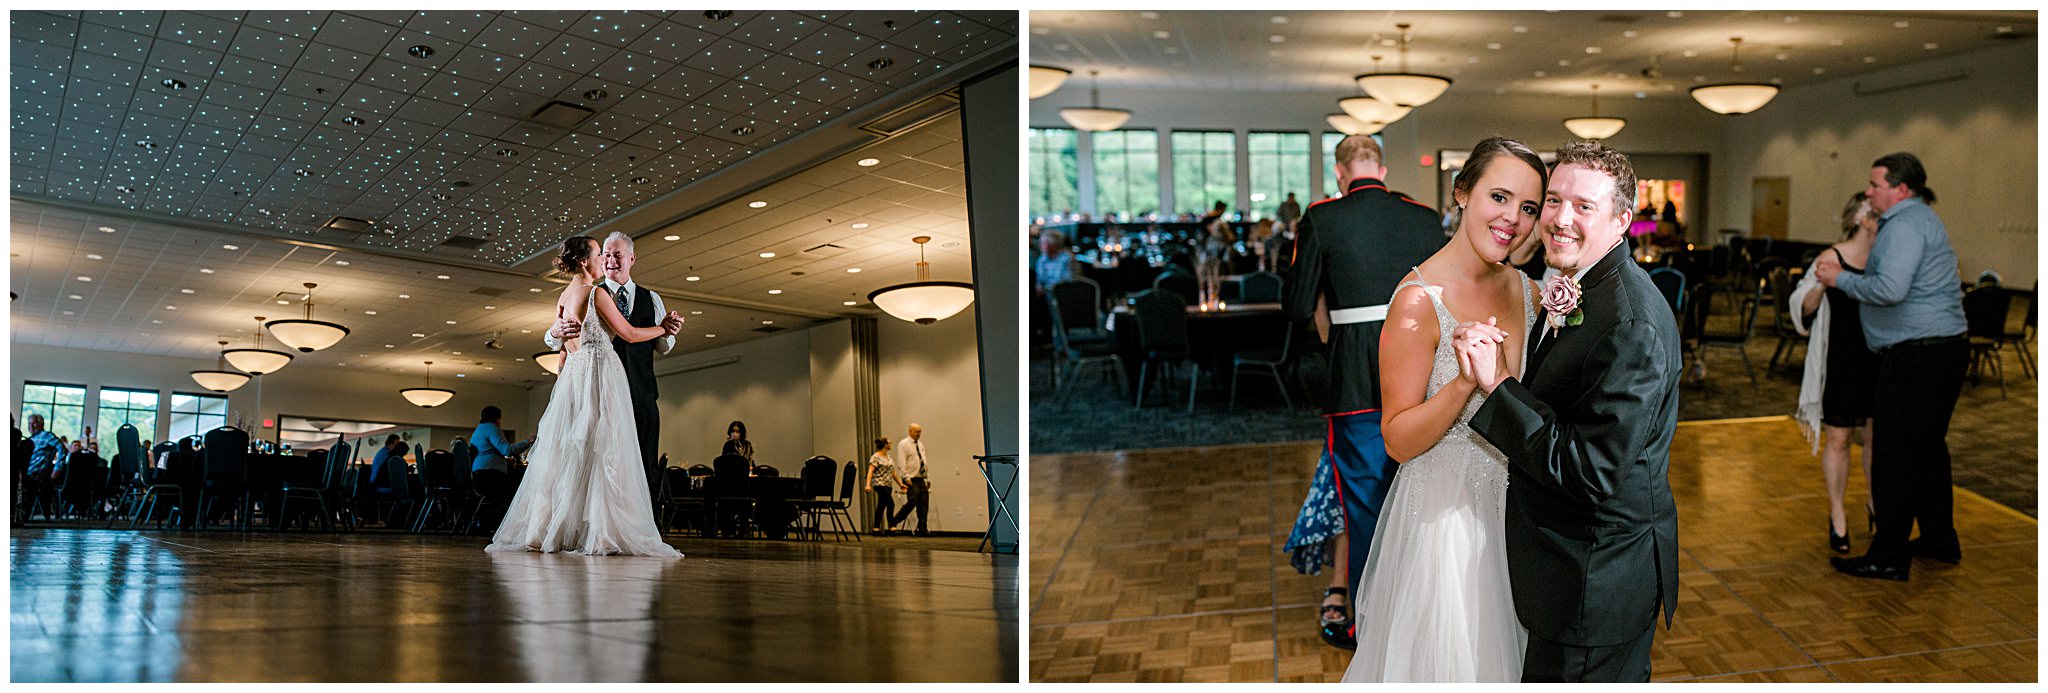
x: 1594, y: 127
x: 1404, y: 88
x: 307, y: 335
x: 550, y: 361
x: 1735, y: 98
x: 259, y: 360
x: 427, y: 397
x: 1095, y: 118
x: 1046, y: 79
x: 923, y: 301
x: 221, y: 380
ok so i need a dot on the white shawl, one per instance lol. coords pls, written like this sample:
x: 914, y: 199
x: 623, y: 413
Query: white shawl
x: 1815, y: 380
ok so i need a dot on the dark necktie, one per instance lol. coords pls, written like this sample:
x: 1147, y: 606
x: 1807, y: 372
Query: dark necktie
x: 920, y: 456
x: 619, y: 297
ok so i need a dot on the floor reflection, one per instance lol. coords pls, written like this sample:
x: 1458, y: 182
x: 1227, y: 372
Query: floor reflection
x: 554, y: 594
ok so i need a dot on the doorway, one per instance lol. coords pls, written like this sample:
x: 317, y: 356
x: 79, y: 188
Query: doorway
x: 1768, y: 213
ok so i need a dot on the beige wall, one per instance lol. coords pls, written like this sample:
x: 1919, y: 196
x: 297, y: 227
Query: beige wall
x: 930, y: 376
x: 1977, y: 137
x: 769, y: 389
x: 300, y: 389
x: 832, y: 417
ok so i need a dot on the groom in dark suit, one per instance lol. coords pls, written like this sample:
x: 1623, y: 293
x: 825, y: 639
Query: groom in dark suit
x: 642, y: 308
x: 1592, y: 538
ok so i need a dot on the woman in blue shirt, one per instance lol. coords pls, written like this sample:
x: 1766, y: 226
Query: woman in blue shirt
x: 491, y: 473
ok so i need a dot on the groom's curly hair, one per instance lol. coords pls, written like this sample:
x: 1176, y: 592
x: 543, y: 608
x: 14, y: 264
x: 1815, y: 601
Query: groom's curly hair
x: 1594, y: 155
x: 575, y: 252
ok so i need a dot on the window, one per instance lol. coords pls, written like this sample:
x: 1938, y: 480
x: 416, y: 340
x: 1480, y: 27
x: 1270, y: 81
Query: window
x: 1126, y: 173
x: 1279, y: 165
x: 62, y: 407
x: 1329, y: 163
x: 1055, y: 173
x: 196, y: 414
x: 1204, y: 170
x: 117, y: 406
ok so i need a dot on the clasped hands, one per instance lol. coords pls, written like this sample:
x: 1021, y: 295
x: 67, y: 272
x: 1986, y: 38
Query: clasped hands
x: 1478, y: 347
x: 570, y: 328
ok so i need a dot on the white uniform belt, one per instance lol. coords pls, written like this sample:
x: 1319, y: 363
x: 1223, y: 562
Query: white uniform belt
x: 1347, y: 316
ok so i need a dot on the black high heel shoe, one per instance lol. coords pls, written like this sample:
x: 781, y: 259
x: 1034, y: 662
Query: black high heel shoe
x: 1838, y: 542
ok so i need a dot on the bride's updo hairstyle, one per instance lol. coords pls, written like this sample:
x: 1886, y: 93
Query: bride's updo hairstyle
x: 575, y: 252
x: 1490, y: 149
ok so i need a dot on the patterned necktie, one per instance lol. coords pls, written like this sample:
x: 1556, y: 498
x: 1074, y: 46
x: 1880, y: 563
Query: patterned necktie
x: 619, y: 297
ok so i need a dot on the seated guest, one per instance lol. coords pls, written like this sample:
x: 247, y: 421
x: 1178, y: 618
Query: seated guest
x: 46, y: 454
x: 736, y: 442
x: 388, y: 466
x: 492, y: 472
x: 1054, y: 263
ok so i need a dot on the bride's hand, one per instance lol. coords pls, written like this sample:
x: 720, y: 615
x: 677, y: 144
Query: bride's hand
x: 1478, y: 350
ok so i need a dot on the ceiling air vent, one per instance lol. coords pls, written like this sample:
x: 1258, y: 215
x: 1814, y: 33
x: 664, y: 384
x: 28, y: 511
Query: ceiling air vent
x: 464, y: 242
x: 561, y: 114
x: 913, y: 115
x: 342, y: 228
x: 488, y: 291
x: 769, y: 329
x: 825, y: 250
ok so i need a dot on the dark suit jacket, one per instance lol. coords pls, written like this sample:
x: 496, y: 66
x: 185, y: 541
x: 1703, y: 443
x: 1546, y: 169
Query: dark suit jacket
x: 1592, y: 537
x: 1352, y: 251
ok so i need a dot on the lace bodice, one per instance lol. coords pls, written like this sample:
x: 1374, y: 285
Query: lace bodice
x: 1444, y: 366
x: 1462, y: 452
x: 596, y: 342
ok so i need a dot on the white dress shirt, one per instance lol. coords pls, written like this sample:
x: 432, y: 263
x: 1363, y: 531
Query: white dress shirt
x: 910, y: 459
x: 662, y: 345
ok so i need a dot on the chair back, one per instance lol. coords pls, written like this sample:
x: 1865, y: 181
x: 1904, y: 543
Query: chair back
x: 700, y: 470
x: 226, y: 453
x: 1179, y: 284
x: 678, y: 480
x: 818, y: 476
x: 1984, y: 309
x: 1259, y: 287
x: 1076, y: 305
x: 1780, y: 282
x: 1671, y: 283
x: 463, y: 454
x: 84, y: 471
x: 1162, y: 320
x: 729, y: 475
x: 847, y: 477
x: 437, y: 470
x: 128, y: 454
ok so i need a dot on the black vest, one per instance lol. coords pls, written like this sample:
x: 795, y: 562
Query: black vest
x: 639, y: 358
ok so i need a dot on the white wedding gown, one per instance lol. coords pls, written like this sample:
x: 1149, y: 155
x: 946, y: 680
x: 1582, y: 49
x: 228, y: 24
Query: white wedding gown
x: 585, y: 491
x: 1434, y: 604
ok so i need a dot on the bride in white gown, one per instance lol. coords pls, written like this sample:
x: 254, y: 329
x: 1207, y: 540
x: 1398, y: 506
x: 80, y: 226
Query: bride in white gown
x: 585, y: 491
x: 1434, y: 602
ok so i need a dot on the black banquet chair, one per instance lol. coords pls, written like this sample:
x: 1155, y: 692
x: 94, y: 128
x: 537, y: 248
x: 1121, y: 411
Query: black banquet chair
x: 438, y: 490
x: 1078, y: 337
x: 1259, y: 287
x: 1162, y: 339
x: 226, y: 477
x: 731, y: 501
x: 1984, y: 312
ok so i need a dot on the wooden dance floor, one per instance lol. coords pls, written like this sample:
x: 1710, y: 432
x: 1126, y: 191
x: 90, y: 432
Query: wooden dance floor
x: 117, y: 606
x: 1166, y: 565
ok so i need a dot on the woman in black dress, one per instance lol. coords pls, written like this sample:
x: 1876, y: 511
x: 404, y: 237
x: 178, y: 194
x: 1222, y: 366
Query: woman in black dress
x: 1849, y: 376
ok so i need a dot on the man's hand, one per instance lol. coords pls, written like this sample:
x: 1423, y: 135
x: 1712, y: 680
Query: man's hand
x: 672, y: 323
x: 1478, y: 346
x: 566, y: 328
x: 1825, y: 269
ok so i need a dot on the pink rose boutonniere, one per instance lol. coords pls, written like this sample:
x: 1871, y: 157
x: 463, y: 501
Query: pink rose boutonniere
x: 1561, y: 302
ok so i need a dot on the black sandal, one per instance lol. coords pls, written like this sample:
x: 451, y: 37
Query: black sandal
x: 1336, y: 621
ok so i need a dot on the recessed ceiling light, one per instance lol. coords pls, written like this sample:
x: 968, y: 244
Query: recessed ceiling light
x: 124, y: 189
x: 767, y: 322
x: 421, y: 51
x: 461, y: 375
x: 743, y: 130
x: 390, y: 346
x: 757, y: 204
x: 774, y: 292
x: 853, y: 270
x: 671, y: 237
x: 369, y: 312
x: 304, y: 172
x: 156, y: 322
x: 767, y: 255
x: 1930, y: 45
x: 84, y: 278
x: 861, y: 225
x: 639, y: 180
x: 94, y: 256
x: 352, y: 120
x: 880, y: 63
x: 451, y: 322
x: 405, y: 295
x: 595, y: 95
x: 186, y: 291
x: 416, y: 334
x: 146, y: 144
x: 709, y: 336
x: 170, y: 307
x: 868, y: 162
x: 204, y: 270
x: 490, y: 307
x: 850, y: 303
x: 692, y: 278
x: 1901, y: 24
x: 231, y: 246
x: 76, y: 297
x: 508, y: 152
x: 696, y: 312
x: 106, y: 229
x: 561, y: 217
x: 1161, y: 35
x: 69, y: 313
x: 440, y: 197
x: 173, y: 84
x: 343, y: 263
x: 457, y: 353
x: 283, y: 302
x: 440, y: 276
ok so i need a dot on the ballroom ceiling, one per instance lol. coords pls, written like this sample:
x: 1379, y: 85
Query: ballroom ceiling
x: 851, y: 162
x: 1648, y: 53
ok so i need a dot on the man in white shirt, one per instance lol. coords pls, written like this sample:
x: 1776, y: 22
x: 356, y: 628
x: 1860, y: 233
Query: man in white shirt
x: 642, y: 308
x: 910, y: 464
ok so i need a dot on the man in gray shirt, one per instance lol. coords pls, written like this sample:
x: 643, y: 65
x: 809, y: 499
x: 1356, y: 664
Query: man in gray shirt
x: 1912, y: 306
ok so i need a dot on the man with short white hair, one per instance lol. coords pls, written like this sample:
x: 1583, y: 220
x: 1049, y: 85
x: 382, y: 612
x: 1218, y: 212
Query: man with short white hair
x: 642, y: 308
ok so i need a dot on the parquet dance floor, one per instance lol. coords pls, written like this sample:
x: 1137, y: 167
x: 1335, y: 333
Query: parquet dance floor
x: 116, y: 606
x: 1165, y: 565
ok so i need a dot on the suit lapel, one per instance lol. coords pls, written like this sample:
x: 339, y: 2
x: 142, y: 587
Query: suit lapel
x: 1601, y: 271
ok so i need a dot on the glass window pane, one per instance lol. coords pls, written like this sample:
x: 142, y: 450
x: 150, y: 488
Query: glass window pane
x: 1204, y: 170
x: 1055, y: 173
x: 1279, y: 165
x: 62, y: 407
x: 214, y: 405
x: 1126, y: 173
